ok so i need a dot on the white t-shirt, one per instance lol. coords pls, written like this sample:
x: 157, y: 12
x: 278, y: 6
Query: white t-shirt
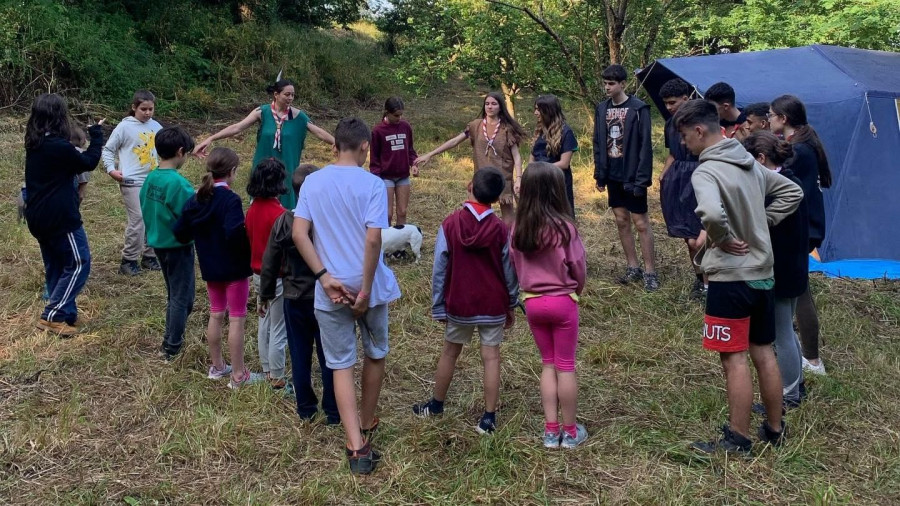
x: 341, y: 203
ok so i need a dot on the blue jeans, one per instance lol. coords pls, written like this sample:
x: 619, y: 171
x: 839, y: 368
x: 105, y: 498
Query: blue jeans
x: 302, y: 334
x: 67, y: 263
x: 178, y: 273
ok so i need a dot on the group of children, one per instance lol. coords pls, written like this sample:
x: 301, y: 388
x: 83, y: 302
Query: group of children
x: 319, y: 271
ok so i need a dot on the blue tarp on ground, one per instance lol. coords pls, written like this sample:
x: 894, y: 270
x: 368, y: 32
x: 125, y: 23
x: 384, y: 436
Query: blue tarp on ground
x: 844, y: 91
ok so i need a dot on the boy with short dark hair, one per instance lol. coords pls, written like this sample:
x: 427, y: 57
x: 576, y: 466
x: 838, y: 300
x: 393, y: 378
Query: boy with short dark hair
x: 732, y: 189
x: 676, y: 194
x: 731, y: 118
x: 757, y: 115
x: 345, y: 208
x: 303, y: 333
x: 162, y: 198
x: 623, y: 164
x: 473, y: 243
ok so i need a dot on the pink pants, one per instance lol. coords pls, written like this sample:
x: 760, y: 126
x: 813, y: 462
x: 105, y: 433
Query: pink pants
x: 231, y: 295
x: 554, y: 322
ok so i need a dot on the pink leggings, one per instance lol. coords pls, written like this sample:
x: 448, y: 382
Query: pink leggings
x: 554, y: 322
x: 232, y: 295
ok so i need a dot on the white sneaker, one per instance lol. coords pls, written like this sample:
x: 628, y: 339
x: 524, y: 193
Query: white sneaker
x: 813, y: 368
x: 217, y: 374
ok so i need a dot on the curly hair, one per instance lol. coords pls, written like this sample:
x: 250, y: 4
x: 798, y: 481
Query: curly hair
x: 267, y: 179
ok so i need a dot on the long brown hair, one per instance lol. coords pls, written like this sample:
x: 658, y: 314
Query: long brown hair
x: 518, y: 133
x: 794, y: 113
x: 551, y: 124
x: 219, y: 164
x: 49, y: 116
x: 543, y: 208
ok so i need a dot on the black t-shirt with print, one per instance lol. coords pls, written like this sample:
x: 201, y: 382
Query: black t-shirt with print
x: 615, y: 136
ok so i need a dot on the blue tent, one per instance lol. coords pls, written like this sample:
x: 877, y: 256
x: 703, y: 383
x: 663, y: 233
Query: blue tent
x: 852, y: 98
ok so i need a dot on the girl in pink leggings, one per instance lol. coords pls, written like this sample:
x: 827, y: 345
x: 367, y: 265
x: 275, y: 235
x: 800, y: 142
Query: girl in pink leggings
x: 214, y: 220
x: 550, y: 262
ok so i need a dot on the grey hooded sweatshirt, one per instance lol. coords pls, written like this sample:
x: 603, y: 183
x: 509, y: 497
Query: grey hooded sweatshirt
x: 133, y: 143
x: 731, y: 189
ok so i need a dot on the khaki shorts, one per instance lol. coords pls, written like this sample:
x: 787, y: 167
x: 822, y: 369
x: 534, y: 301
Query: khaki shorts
x: 491, y: 335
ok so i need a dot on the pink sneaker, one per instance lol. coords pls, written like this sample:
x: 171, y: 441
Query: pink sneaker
x: 248, y: 378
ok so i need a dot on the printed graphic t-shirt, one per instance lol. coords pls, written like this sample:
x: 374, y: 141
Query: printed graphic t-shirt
x: 615, y: 137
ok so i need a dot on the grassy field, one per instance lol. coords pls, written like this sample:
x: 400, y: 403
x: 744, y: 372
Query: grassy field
x: 98, y: 419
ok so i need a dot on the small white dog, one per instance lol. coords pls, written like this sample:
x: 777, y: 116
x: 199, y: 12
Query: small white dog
x: 395, y: 240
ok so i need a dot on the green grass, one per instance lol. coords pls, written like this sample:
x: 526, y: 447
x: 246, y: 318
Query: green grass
x: 105, y: 422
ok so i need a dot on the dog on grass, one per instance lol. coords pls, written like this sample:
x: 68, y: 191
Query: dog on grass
x: 397, y: 239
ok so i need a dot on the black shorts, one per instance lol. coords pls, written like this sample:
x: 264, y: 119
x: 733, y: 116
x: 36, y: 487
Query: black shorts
x: 737, y: 316
x: 618, y: 197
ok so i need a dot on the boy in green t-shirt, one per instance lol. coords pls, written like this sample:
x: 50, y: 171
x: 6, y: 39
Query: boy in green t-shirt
x: 162, y: 197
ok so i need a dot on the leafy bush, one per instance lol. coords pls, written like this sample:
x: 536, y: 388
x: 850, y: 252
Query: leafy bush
x: 194, y: 55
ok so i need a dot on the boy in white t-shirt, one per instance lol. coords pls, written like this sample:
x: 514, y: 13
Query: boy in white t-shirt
x: 345, y: 207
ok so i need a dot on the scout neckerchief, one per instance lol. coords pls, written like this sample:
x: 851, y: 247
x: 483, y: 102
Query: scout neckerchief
x: 490, y: 140
x: 221, y: 182
x: 279, y: 120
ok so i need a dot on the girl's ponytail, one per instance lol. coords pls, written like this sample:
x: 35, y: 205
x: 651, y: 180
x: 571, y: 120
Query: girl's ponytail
x: 219, y: 164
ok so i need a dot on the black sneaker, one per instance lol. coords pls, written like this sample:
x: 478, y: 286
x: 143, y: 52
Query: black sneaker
x: 730, y: 442
x: 151, y: 264
x: 364, y: 460
x: 698, y: 291
x: 632, y: 275
x: 651, y: 281
x: 129, y: 268
x: 767, y: 435
x: 487, y: 425
x: 429, y: 408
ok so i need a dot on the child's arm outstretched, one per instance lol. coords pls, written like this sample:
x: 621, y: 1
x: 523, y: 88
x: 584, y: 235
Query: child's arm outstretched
x: 452, y: 143
x: 230, y: 130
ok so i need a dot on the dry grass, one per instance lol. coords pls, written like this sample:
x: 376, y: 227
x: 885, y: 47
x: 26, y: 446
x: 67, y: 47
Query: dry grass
x: 98, y: 419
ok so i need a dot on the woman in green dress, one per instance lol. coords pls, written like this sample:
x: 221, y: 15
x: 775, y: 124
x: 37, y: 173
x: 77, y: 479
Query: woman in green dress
x: 281, y: 134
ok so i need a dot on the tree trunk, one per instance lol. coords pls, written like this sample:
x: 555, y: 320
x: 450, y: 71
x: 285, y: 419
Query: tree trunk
x: 509, y: 92
x: 615, y: 28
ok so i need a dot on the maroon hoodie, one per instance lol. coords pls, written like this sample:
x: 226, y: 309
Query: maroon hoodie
x: 473, y: 281
x: 391, y: 153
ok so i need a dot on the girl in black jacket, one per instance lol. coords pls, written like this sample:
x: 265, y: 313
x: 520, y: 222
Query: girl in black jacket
x: 51, y: 164
x: 787, y: 116
x: 789, y: 246
x: 214, y: 220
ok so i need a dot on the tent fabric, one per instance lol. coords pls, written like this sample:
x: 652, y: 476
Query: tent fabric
x: 844, y: 90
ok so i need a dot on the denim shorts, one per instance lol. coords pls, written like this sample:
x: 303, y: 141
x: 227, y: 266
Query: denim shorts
x: 400, y: 181
x: 338, y: 330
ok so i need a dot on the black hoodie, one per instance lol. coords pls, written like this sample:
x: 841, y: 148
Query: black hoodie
x: 636, y: 173
x: 217, y: 228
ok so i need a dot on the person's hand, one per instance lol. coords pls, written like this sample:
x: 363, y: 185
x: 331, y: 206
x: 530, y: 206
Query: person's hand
x: 601, y: 187
x: 414, y: 171
x: 517, y: 186
x: 735, y: 247
x: 262, y: 307
x: 640, y: 191
x: 335, y: 290
x: 422, y: 160
x: 100, y: 123
x: 200, y: 149
x: 117, y: 175
x: 360, y: 305
x: 510, y: 318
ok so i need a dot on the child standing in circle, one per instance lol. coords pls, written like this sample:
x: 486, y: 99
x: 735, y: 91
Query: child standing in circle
x: 52, y: 214
x: 265, y: 186
x: 129, y: 155
x: 549, y: 258
x: 391, y: 156
x: 554, y: 141
x: 495, y: 138
x: 214, y: 220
